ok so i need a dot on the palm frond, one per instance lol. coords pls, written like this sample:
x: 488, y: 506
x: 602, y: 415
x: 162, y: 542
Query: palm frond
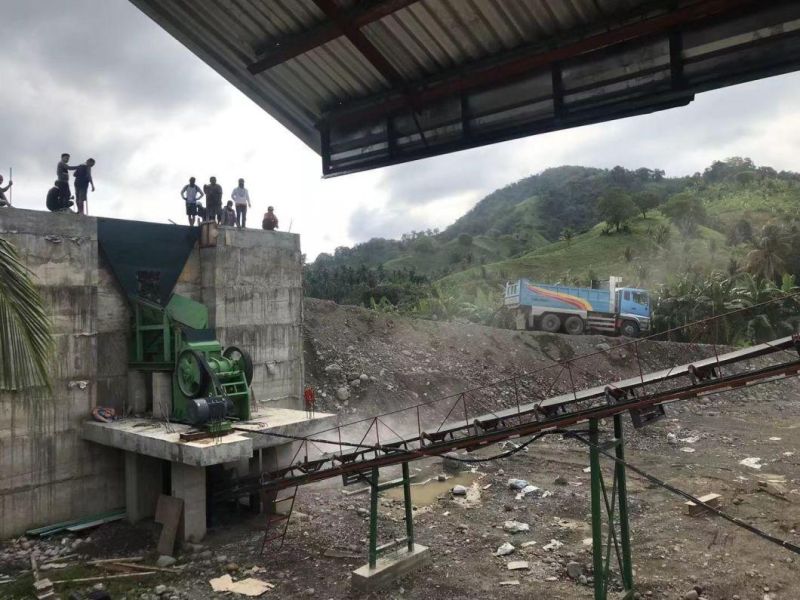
x: 26, y: 339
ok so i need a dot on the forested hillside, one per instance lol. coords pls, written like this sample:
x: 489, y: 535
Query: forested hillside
x: 572, y: 224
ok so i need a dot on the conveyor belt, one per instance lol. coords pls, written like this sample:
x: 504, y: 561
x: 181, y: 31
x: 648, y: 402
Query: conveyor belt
x: 700, y: 378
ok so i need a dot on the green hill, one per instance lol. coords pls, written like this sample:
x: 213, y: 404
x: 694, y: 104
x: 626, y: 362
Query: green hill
x: 557, y: 227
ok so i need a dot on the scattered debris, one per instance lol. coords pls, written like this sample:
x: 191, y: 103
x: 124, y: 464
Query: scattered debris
x: 672, y: 439
x: 516, y: 565
x: 560, y: 480
x: 515, y: 527
x: 459, y: 490
x: 245, y: 587
x: 687, y: 449
x: 553, y: 545
x: 517, y: 484
x: 692, y: 509
x: 504, y: 550
x: 574, y: 569
x: 104, y: 577
x: 753, y: 462
x: 77, y: 524
x: 510, y: 582
x: 528, y: 544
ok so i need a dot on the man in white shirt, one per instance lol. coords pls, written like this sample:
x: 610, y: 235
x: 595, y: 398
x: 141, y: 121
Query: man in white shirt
x: 191, y: 193
x: 241, y: 199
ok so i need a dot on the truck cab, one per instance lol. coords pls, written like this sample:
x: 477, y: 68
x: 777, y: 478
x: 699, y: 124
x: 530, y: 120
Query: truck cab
x: 633, y: 311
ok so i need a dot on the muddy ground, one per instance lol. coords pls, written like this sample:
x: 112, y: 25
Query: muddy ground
x: 697, y: 447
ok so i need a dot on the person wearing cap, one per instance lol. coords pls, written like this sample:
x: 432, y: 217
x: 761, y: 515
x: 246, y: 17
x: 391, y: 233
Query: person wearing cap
x: 241, y: 198
x: 270, y: 222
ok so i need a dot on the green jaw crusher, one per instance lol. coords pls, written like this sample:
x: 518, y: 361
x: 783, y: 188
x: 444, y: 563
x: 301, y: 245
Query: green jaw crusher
x: 210, y: 386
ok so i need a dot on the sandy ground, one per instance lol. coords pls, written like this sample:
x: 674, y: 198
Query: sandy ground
x: 409, y: 360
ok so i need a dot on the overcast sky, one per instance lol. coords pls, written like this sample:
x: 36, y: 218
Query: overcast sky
x: 98, y: 78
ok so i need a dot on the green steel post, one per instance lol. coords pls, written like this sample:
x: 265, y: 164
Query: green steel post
x: 622, y: 490
x: 409, y: 515
x: 373, y: 519
x: 597, y: 521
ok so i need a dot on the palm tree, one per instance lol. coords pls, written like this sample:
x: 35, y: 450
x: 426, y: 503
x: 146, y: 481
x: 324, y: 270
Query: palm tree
x: 25, y: 330
x: 768, y: 258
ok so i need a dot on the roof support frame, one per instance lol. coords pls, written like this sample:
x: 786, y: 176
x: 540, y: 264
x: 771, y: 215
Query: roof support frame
x: 517, y: 64
x: 279, y: 51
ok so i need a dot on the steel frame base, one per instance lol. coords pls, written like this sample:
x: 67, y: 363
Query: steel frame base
x: 615, y: 507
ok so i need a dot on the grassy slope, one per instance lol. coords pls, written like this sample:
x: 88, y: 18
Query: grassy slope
x: 604, y: 255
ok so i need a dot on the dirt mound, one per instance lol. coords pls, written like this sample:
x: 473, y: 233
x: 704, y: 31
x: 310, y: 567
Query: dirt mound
x: 364, y: 363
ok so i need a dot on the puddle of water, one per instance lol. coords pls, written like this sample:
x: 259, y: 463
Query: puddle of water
x: 425, y: 494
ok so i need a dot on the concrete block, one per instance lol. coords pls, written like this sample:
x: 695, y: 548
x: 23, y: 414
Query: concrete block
x: 189, y: 484
x: 390, y: 568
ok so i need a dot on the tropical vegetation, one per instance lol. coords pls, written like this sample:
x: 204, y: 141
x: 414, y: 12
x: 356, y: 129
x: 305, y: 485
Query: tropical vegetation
x: 25, y: 331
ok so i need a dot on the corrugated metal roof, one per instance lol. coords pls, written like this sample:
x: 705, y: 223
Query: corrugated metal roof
x: 430, y: 44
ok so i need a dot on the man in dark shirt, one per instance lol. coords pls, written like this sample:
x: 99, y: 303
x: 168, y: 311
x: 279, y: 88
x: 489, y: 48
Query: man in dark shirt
x: 270, y: 222
x: 229, y: 215
x: 62, y: 178
x: 213, y: 200
x: 83, y: 178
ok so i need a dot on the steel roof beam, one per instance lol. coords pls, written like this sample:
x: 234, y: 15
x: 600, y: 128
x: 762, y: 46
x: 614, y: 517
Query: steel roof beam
x: 287, y: 48
x: 517, y: 65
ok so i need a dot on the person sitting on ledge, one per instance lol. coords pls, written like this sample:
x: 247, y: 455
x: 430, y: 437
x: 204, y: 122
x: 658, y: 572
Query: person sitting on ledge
x: 229, y: 215
x: 270, y: 222
x: 56, y: 202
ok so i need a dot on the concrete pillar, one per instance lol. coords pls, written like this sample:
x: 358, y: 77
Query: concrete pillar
x: 162, y: 395
x: 189, y: 484
x: 256, y: 469
x: 142, y: 486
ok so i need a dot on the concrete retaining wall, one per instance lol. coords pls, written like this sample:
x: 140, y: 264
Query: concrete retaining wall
x: 251, y: 282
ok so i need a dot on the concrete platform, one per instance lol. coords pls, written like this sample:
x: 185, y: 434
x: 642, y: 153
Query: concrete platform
x: 390, y: 568
x: 159, y: 439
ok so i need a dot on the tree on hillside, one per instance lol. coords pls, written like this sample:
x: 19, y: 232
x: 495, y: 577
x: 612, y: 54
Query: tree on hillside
x: 644, y: 201
x: 465, y: 240
x: 567, y: 235
x: 686, y: 211
x: 616, y: 207
x: 768, y: 258
x: 26, y: 340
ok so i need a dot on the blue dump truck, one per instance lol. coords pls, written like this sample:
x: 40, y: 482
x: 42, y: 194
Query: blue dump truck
x: 609, y: 310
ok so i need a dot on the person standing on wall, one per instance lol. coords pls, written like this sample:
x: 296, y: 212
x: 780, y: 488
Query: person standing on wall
x: 191, y: 194
x: 3, y: 200
x: 62, y: 179
x: 270, y: 221
x: 241, y: 198
x: 83, y: 178
x: 213, y: 192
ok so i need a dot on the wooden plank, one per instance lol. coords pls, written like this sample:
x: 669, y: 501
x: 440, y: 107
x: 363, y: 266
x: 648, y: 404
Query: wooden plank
x: 168, y: 513
x: 693, y: 509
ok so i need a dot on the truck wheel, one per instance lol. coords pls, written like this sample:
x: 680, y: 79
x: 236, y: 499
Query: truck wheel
x: 550, y: 323
x: 574, y: 325
x: 629, y: 329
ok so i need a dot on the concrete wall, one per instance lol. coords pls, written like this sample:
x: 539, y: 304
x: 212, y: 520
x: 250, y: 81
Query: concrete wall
x: 251, y: 282
x: 252, y: 285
